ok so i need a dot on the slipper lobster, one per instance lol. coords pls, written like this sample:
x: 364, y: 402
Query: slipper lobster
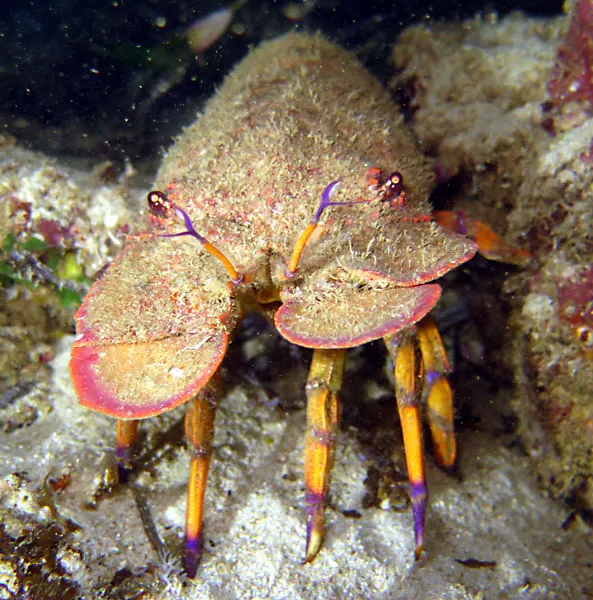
x: 298, y: 193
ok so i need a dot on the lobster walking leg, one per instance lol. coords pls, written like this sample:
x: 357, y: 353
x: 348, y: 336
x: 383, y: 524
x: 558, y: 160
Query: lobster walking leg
x: 439, y: 403
x: 408, y: 376
x: 323, y: 413
x: 124, y: 447
x: 199, y: 429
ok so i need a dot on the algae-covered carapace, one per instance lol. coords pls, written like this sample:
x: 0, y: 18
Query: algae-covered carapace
x: 299, y: 193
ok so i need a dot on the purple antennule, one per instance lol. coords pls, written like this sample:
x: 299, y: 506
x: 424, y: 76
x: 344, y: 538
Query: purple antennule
x: 161, y: 206
x: 179, y: 212
x: 326, y: 197
x: 158, y: 203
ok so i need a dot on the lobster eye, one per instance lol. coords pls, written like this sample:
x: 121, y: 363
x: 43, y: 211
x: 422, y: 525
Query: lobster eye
x: 392, y: 189
x: 159, y: 205
x: 394, y: 184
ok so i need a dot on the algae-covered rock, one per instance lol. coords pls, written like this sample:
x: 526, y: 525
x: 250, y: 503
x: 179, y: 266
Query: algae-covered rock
x: 58, y: 227
x: 480, y: 104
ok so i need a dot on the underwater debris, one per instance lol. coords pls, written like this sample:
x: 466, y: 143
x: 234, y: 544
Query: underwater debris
x: 204, y: 32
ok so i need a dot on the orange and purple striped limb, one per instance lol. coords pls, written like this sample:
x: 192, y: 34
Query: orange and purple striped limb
x: 124, y: 447
x: 326, y: 202
x: 408, y: 375
x: 439, y: 403
x: 161, y: 206
x: 199, y: 429
x: 323, y: 414
x: 490, y: 245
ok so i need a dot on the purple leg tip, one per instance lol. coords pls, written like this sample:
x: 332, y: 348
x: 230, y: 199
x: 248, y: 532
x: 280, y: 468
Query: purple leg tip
x: 313, y: 500
x: 193, y: 553
x: 419, y: 495
x: 315, y: 504
x: 123, y: 455
x: 123, y: 473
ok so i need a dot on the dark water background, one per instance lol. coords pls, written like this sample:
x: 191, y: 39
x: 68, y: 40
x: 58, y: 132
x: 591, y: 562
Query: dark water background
x: 107, y: 79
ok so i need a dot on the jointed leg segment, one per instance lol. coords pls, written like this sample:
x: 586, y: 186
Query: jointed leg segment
x: 323, y: 413
x: 408, y: 386
x: 413, y: 371
x: 199, y: 428
x: 439, y: 403
x: 124, y: 447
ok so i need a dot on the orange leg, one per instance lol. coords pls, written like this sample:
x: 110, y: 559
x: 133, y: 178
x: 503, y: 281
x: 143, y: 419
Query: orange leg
x: 490, y: 245
x: 199, y: 429
x: 124, y: 447
x: 439, y: 403
x: 323, y: 413
x: 408, y: 375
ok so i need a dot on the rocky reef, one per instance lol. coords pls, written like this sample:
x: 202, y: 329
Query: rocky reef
x: 477, y: 96
x: 496, y: 103
x: 58, y: 227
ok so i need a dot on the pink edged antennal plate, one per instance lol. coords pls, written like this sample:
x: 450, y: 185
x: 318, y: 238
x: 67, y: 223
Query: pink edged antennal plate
x: 115, y: 379
x: 344, y: 316
x: 410, y: 254
x: 153, y: 330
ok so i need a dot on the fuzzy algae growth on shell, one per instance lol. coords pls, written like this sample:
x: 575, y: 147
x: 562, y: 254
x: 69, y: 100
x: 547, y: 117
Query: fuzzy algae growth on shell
x: 294, y: 118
